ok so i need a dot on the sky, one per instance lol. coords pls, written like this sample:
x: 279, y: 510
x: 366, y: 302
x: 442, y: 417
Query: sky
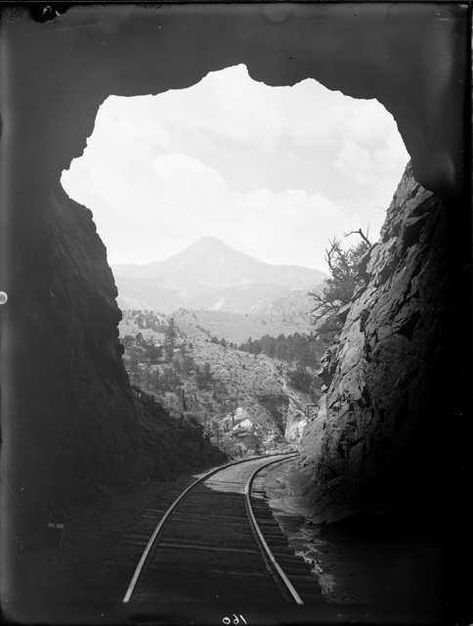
x: 272, y: 171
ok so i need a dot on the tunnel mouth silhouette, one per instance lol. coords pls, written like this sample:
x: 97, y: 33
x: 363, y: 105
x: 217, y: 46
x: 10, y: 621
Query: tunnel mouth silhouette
x: 360, y: 74
x: 364, y: 53
x: 399, y: 54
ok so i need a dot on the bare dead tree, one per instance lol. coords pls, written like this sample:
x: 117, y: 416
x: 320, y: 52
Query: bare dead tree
x: 330, y: 252
x: 338, y: 289
x: 362, y: 235
x: 337, y: 261
x: 323, y: 305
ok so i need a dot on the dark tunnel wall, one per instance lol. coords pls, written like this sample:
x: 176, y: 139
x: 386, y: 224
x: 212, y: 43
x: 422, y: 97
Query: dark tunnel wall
x: 65, y: 382
x: 411, y: 58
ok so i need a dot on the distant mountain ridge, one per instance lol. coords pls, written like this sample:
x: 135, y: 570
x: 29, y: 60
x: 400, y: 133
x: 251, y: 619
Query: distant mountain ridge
x: 210, y: 275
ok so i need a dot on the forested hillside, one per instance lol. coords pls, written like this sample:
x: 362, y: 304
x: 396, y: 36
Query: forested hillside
x: 244, y: 401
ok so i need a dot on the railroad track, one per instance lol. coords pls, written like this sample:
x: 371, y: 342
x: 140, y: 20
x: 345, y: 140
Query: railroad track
x: 218, y: 545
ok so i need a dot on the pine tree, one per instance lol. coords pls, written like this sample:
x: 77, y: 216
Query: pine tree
x: 170, y: 340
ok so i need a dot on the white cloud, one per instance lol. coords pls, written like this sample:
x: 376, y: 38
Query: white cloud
x: 274, y: 171
x: 356, y: 162
x: 188, y: 199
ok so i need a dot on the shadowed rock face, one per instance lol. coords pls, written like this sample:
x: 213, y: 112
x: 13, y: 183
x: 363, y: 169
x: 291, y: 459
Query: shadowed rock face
x: 70, y: 421
x: 79, y: 427
x: 388, y: 376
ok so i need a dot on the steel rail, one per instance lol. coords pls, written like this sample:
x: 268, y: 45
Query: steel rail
x: 268, y: 556
x: 167, y: 514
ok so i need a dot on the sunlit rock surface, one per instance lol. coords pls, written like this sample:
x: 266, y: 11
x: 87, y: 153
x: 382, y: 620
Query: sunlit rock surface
x: 380, y: 411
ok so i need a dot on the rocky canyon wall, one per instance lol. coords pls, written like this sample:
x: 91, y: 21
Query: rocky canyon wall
x: 383, y: 431
x: 80, y: 430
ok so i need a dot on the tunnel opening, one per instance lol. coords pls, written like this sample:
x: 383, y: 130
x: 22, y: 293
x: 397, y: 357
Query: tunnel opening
x: 61, y: 316
x: 220, y: 206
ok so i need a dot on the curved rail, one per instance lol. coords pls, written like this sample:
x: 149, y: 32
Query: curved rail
x: 167, y: 514
x: 269, y: 557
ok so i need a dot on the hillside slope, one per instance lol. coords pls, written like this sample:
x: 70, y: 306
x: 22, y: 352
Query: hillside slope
x: 287, y: 314
x: 244, y: 401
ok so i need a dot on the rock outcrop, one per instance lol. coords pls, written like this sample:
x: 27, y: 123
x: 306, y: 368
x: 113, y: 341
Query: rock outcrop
x: 80, y: 429
x: 386, y: 377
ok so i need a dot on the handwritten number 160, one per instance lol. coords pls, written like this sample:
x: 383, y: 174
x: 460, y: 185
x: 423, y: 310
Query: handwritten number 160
x: 237, y: 619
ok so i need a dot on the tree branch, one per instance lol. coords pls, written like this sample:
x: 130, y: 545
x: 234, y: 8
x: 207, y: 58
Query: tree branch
x: 362, y: 235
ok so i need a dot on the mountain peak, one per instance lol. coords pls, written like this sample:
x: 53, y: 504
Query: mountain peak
x: 208, y: 242
x: 211, y: 275
x: 209, y: 239
x: 205, y: 250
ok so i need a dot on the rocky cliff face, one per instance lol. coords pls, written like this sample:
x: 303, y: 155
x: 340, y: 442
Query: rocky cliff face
x: 380, y: 418
x: 80, y: 426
